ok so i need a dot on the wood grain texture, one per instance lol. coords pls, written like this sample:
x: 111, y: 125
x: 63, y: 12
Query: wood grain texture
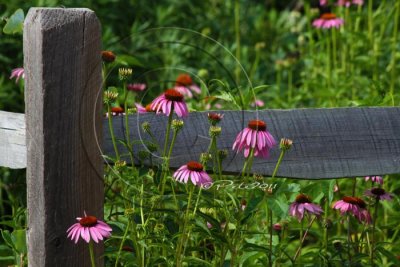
x: 328, y: 143
x: 12, y: 140
x: 62, y: 53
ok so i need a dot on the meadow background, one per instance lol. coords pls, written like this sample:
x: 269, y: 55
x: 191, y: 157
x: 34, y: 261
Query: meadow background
x: 291, y: 64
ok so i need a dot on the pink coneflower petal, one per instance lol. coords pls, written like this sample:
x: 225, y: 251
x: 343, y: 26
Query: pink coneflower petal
x: 89, y: 228
x: 194, y: 171
x: 17, y: 73
x: 171, y: 100
x: 328, y: 20
x: 256, y: 137
x: 302, y: 205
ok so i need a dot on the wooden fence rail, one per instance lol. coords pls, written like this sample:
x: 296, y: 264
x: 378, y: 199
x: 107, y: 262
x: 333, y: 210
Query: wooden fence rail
x: 64, y: 135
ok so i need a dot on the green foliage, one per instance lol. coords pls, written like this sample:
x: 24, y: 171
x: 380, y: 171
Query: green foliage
x: 15, y: 23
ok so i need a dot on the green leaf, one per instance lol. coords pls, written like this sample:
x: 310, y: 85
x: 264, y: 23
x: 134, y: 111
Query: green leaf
x: 19, y: 237
x: 128, y: 61
x: 15, y: 23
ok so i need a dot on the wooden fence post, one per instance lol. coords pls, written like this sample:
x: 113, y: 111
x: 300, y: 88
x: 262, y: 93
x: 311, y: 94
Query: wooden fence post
x: 62, y: 53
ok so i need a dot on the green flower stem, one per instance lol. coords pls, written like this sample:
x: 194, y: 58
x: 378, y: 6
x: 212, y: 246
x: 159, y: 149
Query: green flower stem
x: 302, y: 238
x: 167, y: 162
x: 281, y: 155
x: 110, y: 126
x: 194, y: 214
x: 370, y: 22
x: 270, y: 237
x: 122, y: 243
x: 326, y: 227
x: 182, y: 237
x: 373, y: 232
x: 92, y: 260
x: 141, y: 201
x: 237, y: 41
x: 334, y: 48
x: 394, y: 50
x: 213, y: 150
x: 354, y: 186
x: 167, y: 134
x: 349, y: 239
x: 290, y: 84
x: 248, y: 163
x: 328, y: 64
x: 128, y: 142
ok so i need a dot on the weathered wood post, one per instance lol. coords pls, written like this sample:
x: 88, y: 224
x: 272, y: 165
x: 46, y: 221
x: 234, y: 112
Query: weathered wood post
x: 63, y: 129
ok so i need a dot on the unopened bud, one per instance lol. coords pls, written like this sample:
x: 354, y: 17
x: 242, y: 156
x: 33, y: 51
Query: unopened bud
x: 146, y: 127
x: 204, y: 158
x: 177, y: 125
x: 110, y: 97
x: 124, y: 73
x: 285, y: 144
x: 215, y: 131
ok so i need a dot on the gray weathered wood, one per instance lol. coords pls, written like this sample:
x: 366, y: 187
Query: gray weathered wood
x: 62, y: 49
x: 12, y: 140
x: 328, y: 143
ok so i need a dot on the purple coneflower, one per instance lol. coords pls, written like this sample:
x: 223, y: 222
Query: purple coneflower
x: 303, y: 204
x: 170, y: 100
x: 89, y: 228
x: 136, y: 87
x: 378, y: 194
x: 194, y: 171
x: 108, y: 56
x: 258, y: 103
x: 328, y: 20
x: 17, y: 73
x: 354, y: 206
x: 347, y: 3
x: 375, y: 179
x: 323, y: 2
x: 141, y: 109
x: 256, y: 137
x: 184, y: 84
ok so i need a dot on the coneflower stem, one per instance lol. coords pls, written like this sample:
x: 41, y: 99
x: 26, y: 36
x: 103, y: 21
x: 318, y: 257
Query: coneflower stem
x: 167, y: 161
x: 283, y: 151
x: 354, y: 186
x: 122, y: 244
x: 110, y: 126
x: 373, y: 231
x: 167, y: 135
x: 270, y: 236
x: 237, y: 41
x: 182, y: 237
x: 302, y: 238
x: 394, y: 50
x: 92, y: 260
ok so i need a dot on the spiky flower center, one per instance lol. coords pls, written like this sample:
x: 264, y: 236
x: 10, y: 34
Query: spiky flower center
x: 173, y: 95
x: 194, y: 166
x: 108, y: 56
x: 148, y: 108
x: 215, y: 116
x: 378, y: 191
x: 88, y: 221
x: 328, y: 16
x: 355, y: 201
x: 117, y: 109
x: 303, y: 199
x: 257, y: 125
x: 184, y: 79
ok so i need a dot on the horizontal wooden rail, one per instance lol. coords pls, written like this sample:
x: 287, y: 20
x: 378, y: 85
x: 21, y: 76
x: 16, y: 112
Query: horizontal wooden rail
x: 12, y: 140
x: 328, y: 143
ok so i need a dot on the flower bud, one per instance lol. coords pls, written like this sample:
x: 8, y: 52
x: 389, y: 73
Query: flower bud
x: 110, y: 97
x: 146, y: 127
x: 177, y: 125
x: 285, y: 144
x: 124, y: 73
x: 214, y: 131
x: 108, y: 56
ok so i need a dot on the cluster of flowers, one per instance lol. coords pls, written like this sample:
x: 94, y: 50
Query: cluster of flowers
x: 350, y: 205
